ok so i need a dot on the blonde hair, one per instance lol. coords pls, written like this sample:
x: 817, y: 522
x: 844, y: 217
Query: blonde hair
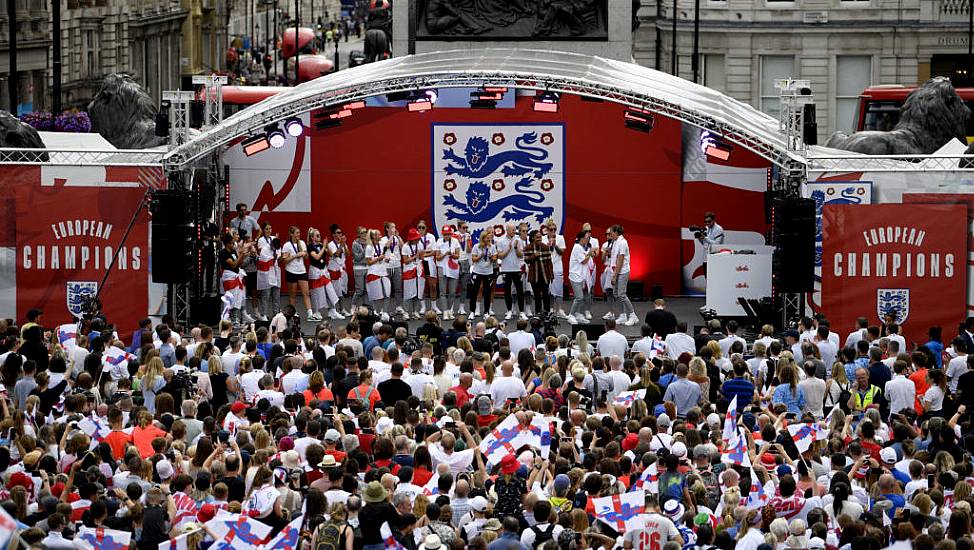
x: 153, y: 368
x: 838, y: 373
x: 313, y: 231
x: 714, y: 347
x: 214, y: 365
x: 698, y: 368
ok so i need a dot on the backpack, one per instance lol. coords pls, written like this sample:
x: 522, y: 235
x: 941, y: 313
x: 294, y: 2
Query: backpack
x: 844, y: 396
x: 541, y: 537
x: 364, y: 400
x: 712, y: 483
x: 329, y: 536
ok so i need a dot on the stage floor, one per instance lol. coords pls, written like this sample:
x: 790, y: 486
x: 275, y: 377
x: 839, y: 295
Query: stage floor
x: 686, y: 308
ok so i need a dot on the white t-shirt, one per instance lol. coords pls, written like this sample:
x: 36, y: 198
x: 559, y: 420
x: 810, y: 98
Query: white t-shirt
x: 507, y: 387
x: 557, y: 265
x: 934, y: 397
x: 520, y: 340
x: 294, y: 266
x: 336, y: 260
x: 653, y: 535
x: 577, y: 270
x: 464, y: 239
x: 447, y: 247
x: 620, y: 248
x: 417, y: 381
x: 294, y: 382
x: 394, y: 244
x: 956, y: 367
x: 250, y: 383
x: 426, y: 242
x: 275, y: 397
x: 612, y: 343
x: 510, y: 262
x: 727, y: 342
x: 480, y: 259
x: 678, y: 343
x: 378, y: 268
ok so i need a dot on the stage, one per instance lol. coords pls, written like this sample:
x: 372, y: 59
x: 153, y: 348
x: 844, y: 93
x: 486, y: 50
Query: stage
x: 686, y: 308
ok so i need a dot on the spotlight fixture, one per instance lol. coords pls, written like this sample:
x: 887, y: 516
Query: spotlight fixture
x: 328, y: 123
x: 294, y: 127
x: 639, y: 120
x: 713, y: 146
x: 275, y: 136
x: 354, y: 105
x: 422, y: 101
x: 546, y: 102
x: 483, y: 104
x: 253, y: 145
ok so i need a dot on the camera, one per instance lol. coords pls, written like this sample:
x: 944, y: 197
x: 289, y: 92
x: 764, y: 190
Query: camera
x: 697, y: 231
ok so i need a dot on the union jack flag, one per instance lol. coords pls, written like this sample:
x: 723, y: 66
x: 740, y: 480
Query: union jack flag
x: 648, y: 480
x: 390, y: 541
x: 100, y: 538
x: 237, y: 532
x: 115, y: 356
x: 735, y: 452
x: 67, y: 335
x: 627, y: 398
x: 95, y: 429
x: 730, y: 421
x: 288, y: 538
x: 622, y: 512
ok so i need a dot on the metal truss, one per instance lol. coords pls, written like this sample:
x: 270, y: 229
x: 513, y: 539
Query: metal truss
x: 179, y: 302
x: 626, y: 84
x: 890, y: 163
x: 54, y: 157
x: 792, y: 308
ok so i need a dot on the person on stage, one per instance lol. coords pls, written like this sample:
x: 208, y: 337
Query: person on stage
x: 377, y: 277
x: 593, y: 269
x: 556, y: 243
x: 510, y: 251
x: 293, y: 254
x: 483, y: 258
x: 393, y: 242
x: 359, y: 267
x: 580, y: 276
x: 427, y: 242
x: 711, y: 236
x: 322, y: 290
x: 523, y: 235
x: 619, y: 261
x: 268, y: 273
x: 337, y: 253
x: 413, y: 281
x: 447, y: 253
x: 606, y: 280
x: 537, y: 255
x: 232, y: 277
x: 466, y: 245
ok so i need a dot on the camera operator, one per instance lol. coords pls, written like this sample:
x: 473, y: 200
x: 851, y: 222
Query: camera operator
x: 709, y: 235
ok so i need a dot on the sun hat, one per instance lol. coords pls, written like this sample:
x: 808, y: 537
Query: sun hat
x: 374, y: 492
x: 509, y: 464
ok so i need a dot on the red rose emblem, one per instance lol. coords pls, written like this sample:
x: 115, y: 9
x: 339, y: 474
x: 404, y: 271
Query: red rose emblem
x: 498, y: 185
x: 497, y: 139
x: 547, y: 185
x: 547, y: 138
x: 450, y: 138
x: 449, y: 185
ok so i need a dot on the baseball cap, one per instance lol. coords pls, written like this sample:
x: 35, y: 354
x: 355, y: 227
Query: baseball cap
x: 679, y: 449
x: 446, y: 230
x: 713, y: 419
x: 238, y: 407
x: 332, y: 435
x: 659, y: 410
x: 663, y: 421
x: 816, y: 543
x: 630, y: 442
x: 164, y: 469
x: 783, y: 470
x: 888, y: 454
x: 479, y: 504
x: 562, y: 482
x: 509, y: 464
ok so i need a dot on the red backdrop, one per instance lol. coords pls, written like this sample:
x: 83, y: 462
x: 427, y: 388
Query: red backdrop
x: 377, y: 165
x: 925, y: 273
x: 50, y: 252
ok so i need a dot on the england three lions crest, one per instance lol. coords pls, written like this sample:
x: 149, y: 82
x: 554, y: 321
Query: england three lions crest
x: 490, y: 174
x: 894, y: 302
x: 78, y: 294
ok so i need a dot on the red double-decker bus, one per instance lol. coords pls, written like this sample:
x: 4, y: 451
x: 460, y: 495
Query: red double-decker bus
x: 879, y: 107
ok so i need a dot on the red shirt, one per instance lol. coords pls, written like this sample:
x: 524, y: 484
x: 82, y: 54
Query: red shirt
x: 421, y: 476
x: 117, y: 440
x: 142, y: 437
x: 919, y: 379
x: 462, y: 395
x: 339, y: 455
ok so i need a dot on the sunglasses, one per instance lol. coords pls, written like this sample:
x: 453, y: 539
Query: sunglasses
x: 420, y: 227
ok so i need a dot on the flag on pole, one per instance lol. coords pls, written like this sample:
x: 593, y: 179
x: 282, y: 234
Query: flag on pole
x: 735, y: 452
x: 116, y: 361
x: 67, y: 335
x: 94, y: 428
x: 730, y: 420
x: 627, y: 398
x: 803, y: 435
x: 542, y: 425
x: 99, y: 538
x: 623, y: 511
x: 388, y: 540
x: 648, y: 480
x: 657, y: 347
x: 510, y: 435
x: 759, y: 495
x: 237, y: 532
x: 288, y: 538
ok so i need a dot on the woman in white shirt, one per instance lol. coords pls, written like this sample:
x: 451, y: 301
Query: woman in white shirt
x: 839, y: 502
x: 556, y: 243
x: 295, y: 273
x: 413, y: 281
x: 482, y: 258
x: 377, y: 276
x: 749, y: 537
x: 933, y: 399
x: 579, y: 270
x: 447, y: 253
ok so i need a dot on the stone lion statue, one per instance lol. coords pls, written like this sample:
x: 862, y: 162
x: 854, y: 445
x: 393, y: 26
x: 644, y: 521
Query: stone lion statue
x: 931, y: 116
x: 16, y: 134
x: 123, y: 113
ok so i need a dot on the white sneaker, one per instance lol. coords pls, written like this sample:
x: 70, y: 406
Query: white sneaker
x: 262, y: 318
x: 400, y: 310
x: 422, y: 308
x: 491, y: 311
x: 461, y: 311
x: 333, y: 314
x: 562, y: 314
x: 523, y: 316
x: 246, y: 317
x: 572, y: 320
x: 631, y: 321
x: 447, y: 315
x: 527, y: 311
x: 588, y: 315
x: 608, y: 316
x: 310, y: 315
x: 509, y: 315
x: 417, y: 315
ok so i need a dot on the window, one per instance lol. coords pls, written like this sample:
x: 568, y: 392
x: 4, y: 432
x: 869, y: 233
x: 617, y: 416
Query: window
x: 774, y: 67
x: 853, y: 74
x: 714, y: 73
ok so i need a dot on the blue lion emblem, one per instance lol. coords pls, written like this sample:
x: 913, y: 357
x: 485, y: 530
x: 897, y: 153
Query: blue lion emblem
x: 625, y: 513
x: 478, y: 163
x: 478, y: 207
x: 894, y: 302
x: 846, y: 196
x: 77, y: 294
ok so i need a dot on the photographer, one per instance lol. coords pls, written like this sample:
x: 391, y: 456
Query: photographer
x: 709, y: 235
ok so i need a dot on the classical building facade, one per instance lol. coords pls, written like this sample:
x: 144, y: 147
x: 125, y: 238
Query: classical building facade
x: 33, y: 44
x: 841, y: 46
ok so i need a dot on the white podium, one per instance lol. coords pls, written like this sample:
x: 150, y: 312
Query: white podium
x: 733, y: 276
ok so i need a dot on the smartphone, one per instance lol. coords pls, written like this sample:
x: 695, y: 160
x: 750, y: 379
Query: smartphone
x: 930, y: 481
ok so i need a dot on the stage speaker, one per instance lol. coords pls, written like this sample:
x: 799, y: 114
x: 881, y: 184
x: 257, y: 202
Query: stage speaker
x: 205, y: 310
x: 173, y: 237
x: 592, y: 331
x: 636, y: 291
x: 809, y: 125
x: 794, y: 240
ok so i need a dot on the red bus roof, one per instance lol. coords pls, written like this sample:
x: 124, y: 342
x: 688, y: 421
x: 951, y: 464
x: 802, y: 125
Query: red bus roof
x: 897, y: 92
x: 248, y: 95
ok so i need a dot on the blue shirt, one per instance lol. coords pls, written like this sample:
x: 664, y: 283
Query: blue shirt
x: 794, y: 401
x: 740, y: 387
x: 937, y: 349
x: 684, y: 394
x: 897, y: 500
x: 507, y: 541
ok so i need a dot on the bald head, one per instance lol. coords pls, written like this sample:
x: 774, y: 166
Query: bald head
x: 462, y: 488
x: 466, y: 380
x: 615, y: 362
x: 449, y: 442
x: 507, y: 368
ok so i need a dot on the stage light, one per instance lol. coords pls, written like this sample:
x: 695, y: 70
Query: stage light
x: 252, y: 146
x: 546, y: 102
x: 713, y: 146
x: 328, y: 123
x: 719, y: 151
x: 483, y: 104
x: 294, y: 127
x: 275, y: 136
x: 496, y: 89
x: 354, y: 105
x: 639, y: 120
x: 422, y: 100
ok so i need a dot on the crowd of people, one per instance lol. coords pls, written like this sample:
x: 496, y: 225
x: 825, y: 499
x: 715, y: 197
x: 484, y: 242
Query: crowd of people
x: 405, y: 275
x: 476, y: 433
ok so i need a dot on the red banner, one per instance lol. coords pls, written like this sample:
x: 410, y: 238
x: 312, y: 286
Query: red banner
x: 67, y: 231
x: 908, y: 261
